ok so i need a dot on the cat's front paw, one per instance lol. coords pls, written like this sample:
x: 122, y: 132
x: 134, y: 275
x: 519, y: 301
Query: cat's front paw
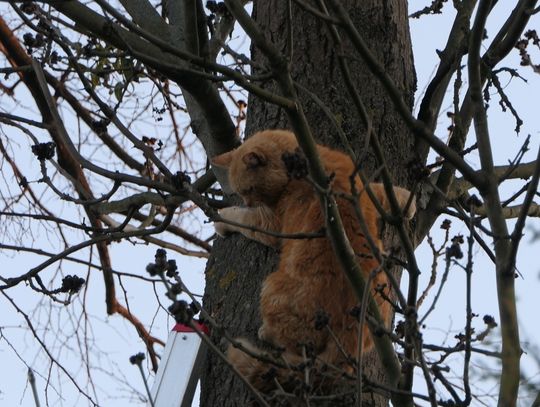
x: 260, y: 333
x: 232, y: 214
x: 264, y: 335
x: 221, y: 228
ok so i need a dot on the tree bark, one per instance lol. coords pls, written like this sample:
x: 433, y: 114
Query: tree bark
x: 238, y: 266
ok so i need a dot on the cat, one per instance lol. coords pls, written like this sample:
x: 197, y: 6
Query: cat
x: 308, y: 282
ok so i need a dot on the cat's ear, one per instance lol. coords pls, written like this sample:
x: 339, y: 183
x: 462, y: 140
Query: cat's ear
x: 254, y: 160
x: 223, y: 160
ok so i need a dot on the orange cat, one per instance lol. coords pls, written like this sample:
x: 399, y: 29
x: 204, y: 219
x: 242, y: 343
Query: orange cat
x: 309, y: 280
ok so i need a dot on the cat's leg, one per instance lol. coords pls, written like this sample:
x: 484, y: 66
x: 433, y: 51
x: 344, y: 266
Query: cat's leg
x: 403, y: 196
x: 251, y: 222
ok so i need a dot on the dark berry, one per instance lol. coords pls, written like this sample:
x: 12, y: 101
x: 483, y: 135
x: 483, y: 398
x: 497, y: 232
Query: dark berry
x: 295, y: 164
x: 71, y: 284
x: 44, y: 151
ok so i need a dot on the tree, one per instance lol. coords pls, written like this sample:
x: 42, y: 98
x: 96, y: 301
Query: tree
x: 309, y: 64
x: 318, y: 58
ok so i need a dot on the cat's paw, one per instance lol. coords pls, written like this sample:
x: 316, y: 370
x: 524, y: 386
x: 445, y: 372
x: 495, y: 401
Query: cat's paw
x: 268, y: 339
x: 221, y: 228
x: 264, y: 335
x: 260, y: 333
x: 233, y: 214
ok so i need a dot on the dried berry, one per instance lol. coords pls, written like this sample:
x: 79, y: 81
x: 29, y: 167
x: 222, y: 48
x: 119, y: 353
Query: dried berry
x: 455, y: 249
x: 23, y: 183
x: 152, y: 269
x: 172, y: 268
x: 445, y: 225
x: 176, y: 289
x: 149, y: 141
x: 321, y: 320
x: 400, y: 329
x: 33, y: 41
x: 532, y: 35
x: 44, y: 151
x: 137, y: 359
x: 54, y: 58
x: 161, y: 264
x: 161, y: 258
x: 39, y: 40
x: 181, y: 312
x: 72, y: 284
x: 100, y: 126
x: 28, y: 40
x: 217, y: 7
x: 489, y: 321
x: 295, y: 164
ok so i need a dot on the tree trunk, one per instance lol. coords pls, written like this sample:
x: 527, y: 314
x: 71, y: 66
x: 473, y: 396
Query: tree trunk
x: 237, y: 266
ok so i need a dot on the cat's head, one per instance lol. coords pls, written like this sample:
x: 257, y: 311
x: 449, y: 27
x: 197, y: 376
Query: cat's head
x: 256, y: 170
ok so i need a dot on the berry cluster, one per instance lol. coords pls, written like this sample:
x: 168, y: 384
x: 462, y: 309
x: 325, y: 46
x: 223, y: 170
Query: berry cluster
x: 445, y: 225
x: 182, y: 311
x: 489, y: 321
x: 44, y: 151
x: 216, y: 7
x: 162, y: 265
x: 521, y: 46
x: 72, y: 284
x: 455, y: 249
x: 100, y: 126
x: 33, y: 41
x: 137, y: 359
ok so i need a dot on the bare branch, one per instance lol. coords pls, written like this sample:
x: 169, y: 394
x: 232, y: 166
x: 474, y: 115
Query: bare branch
x: 511, y: 350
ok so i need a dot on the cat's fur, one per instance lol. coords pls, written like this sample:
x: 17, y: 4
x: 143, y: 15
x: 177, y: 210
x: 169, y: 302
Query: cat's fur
x: 309, y: 278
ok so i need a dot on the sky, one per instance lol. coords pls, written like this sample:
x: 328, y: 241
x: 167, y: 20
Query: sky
x: 112, y: 340
x: 429, y: 33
